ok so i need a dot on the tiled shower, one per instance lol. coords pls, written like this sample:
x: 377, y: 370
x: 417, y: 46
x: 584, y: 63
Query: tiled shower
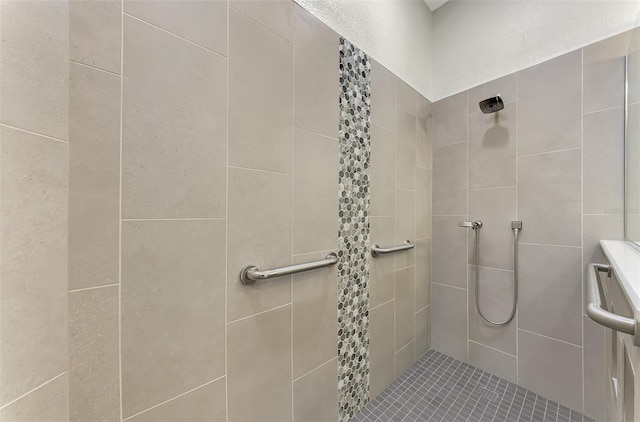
x: 152, y: 149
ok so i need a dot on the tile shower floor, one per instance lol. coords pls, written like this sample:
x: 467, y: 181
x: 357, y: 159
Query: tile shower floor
x: 440, y: 388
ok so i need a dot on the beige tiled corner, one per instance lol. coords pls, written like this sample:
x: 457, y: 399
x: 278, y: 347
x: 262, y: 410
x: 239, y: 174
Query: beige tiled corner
x: 262, y: 239
x: 423, y: 203
x: 94, y: 361
x: 597, y: 228
x: 276, y: 15
x: 549, y: 102
x: 550, y: 368
x: 315, y: 320
x: 315, y: 396
x: 206, y: 403
x: 505, y: 87
x: 382, y: 171
x: 449, y: 321
x: 405, y: 150
x: 35, y: 66
x: 33, y: 261
x: 47, y: 403
x: 260, y: 97
x: 423, y: 273
x: 425, y: 133
x: 405, y: 226
x: 450, y: 180
x: 496, y: 302
x: 94, y: 177
x: 497, y: 363
x: 315, y: 192
x: 450, y: 120
x: 172, y: 295
x: 95, y: 33
x: 423, y: 331
x: 551, y: 301
x: 174, y: 127
x: 383, y: 96
x: 496, y: 208
x: 633, y: 87
x: 449, y: 252
x: 203, y: 22
x: 492, y: 148
x: 549, y: 200
x: 382, y: 354
x: 404, y: 358
x: 603, y: 161
x: 381, y: 268
x: 595, y: 384
x: 263, y: 376
x: 404, y: 307
x: 316, y: 75
x: 406, y: 97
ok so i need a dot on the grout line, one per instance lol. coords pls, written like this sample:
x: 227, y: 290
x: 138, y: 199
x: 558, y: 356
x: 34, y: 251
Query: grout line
x: 467, y: 234
x: 448, y: 145
x: 493, y: 348
x: 327, y: 138
x: 491, y: 268
x: 120, y: 207
x: 597, y: 111
x: 293, y: 190
x: 407, y: 344
x: 261, y: 170
x: 33, y: 133
x: 422, y: 309
x: 176, y: 219
x: 4, y: 406
x: 382, y: 304
x: 550, y: 338
x: 94, y: 68
x: 447, y: 285
x: 313, y: 252
x: 549, y: 152
x: 444, y: 215
x: 259, y: 313
x: 405, y: 189
x: 493, y: 187
x: 174, y: 398
x: 517, y: 321
x: 382, y: 216
x: 92, y: 288
x: 549, y: 244
x: 582, y: 217
x: 226, y: 230
x: 263, y: 26
x: 317, y: 367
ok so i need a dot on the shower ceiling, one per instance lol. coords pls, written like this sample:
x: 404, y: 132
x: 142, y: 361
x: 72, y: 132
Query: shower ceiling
x: 434, y: 4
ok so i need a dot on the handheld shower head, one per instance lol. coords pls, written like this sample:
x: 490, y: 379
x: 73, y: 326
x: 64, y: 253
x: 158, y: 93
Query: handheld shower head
x: 491, y: 105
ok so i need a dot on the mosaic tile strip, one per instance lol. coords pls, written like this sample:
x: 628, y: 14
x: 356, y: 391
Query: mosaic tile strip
x: 353, y: 234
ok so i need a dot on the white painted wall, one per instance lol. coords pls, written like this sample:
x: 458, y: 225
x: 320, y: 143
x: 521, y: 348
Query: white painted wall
x: 396, y: 33
x: 475, y: 41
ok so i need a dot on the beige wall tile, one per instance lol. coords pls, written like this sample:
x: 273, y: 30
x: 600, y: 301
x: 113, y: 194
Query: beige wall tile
x: 95, y: 31
x: 94, y: 354
x: 262, y: 239
x: 550, y: 368
x: 497, y: 363
x: 595, y: 377
x: 549, y: 200
x: 381, y: 350
x: 315, y: 396
x: 597, y: 228
x: 423, y: 273
x: 315, y: 192
x: 174, y: 127
x: 450, y: 180
x: 405, y: 226
x: 423, y: 331
x: 505, y: 87
x: 263, y: 376
x: 383, y: 96
x: 449, y: 252
x: 423, y: 203
x: 382, y: 267
x: 405, y: 150
x: 404, y: 307
x: 172, y: 296
x: 633, y: 65
x: 316, y: 75
x: 203, y: 22
x: 450, y: 120
x: 382, y: 171
x: 549, y: 101
x: 405, y: 358
x: 207, y: 403
x: 449, y: 321
x: 276, y: 15
x: 425, y: 133
x: 35, y: 66
x: 407, y: 97
x: 94, y: 177
x: 33, y: 261
x: 260, y: 97
x: 47, y: 403
x: 551, y: 301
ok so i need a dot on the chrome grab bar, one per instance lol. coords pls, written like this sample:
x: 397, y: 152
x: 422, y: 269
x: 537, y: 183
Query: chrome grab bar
x: 596, y: 311
x: 376, y: 250
x: 250, y: 274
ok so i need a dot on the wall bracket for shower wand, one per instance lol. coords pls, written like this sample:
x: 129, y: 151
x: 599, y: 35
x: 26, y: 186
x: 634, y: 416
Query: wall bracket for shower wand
x: 475, y: 225
x: 516, y: 225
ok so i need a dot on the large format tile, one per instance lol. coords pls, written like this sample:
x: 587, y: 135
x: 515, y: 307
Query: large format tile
x: 597, y: 228
x: 262, y: 239
x: 603, y: 162
x: 551, y: 300
x: 203, y: 22
x: 405, y: 358
x: 315, y: 192
x: 381, y: 268
x: 423, y: 203
x: 33, y: 261
x: 423, y: 331
x: 382, y: 171
x: 172, y: 295
x: 404, y: 307
x: 405, y: 150
x: 95, y: 33
x: 383, y: 96
x: 48, y: 403
x: 260, y: 97
x: 34, y: 70
x: 315, y: 320
x: 406, y: 97
x: 449, y: 321
x: 505, y: 87
x: 174, y: 127
x: 549, y: 101
x: 94, y: 354
x: 381, y: 349
x: 316, y: 75
x: 450, y: 180
x: 405, y: 226
x: 549, y: 198
x: 277, y: 15
x: 550, y: 368
x: 492, y: 148
x: 450, y: 120
x: 595, y: 377
x: 424, y: 133
x: 315, y: 396
x: 449, y: 252
x: 423, y: 273
x: 94, y: 177
x: 263, y: 376
x: 497, y: 363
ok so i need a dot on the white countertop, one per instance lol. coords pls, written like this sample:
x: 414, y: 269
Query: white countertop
x: 625, y: 260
